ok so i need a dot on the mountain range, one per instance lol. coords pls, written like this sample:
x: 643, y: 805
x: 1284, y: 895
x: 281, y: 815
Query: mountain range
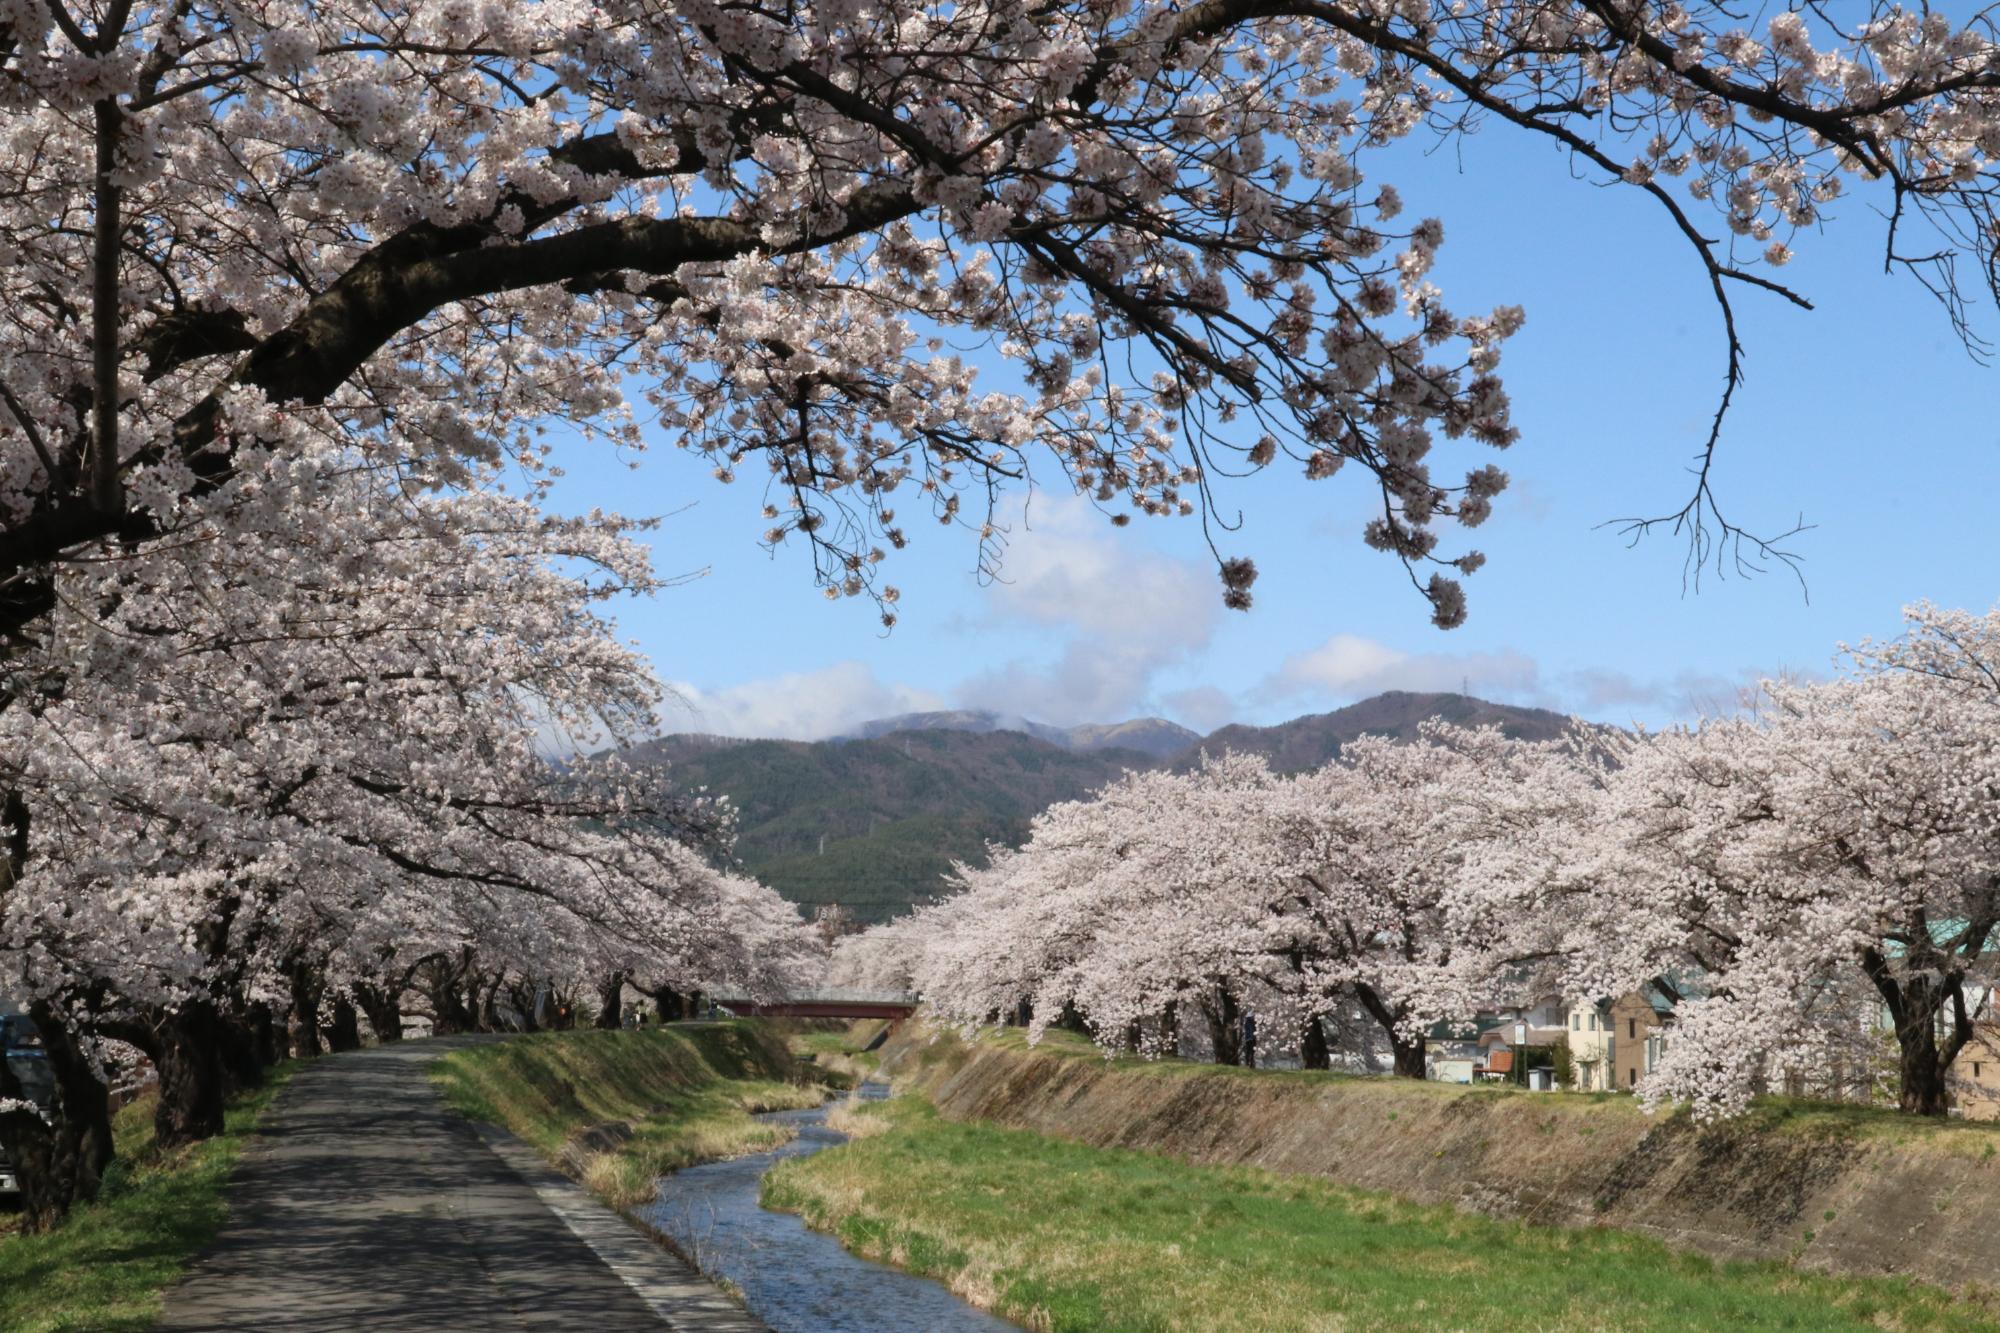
x: 873, y: 820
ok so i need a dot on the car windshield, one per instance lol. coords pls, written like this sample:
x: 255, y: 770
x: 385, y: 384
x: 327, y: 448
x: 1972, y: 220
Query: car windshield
x: 34, y: 1076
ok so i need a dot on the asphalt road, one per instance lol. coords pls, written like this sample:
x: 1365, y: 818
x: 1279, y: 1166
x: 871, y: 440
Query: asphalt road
x: 365, y: 1204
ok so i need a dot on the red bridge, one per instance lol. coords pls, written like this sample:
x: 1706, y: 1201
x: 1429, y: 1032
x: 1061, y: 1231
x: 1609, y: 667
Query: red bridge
x: 891, y: 1005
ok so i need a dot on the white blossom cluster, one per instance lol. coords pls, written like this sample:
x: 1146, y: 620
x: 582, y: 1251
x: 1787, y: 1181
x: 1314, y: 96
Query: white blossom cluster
x: 1786, y: 876
x: 434, y: 226
x: 303, y: 737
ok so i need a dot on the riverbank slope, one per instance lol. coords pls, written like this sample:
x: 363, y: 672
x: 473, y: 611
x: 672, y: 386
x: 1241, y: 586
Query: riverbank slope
x: 619, y: 1109
x: 1827, y: 1188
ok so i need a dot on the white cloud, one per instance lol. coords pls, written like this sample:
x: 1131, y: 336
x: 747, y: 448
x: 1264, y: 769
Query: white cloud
x: 799, y: 705
x: 1350, y: 666
x: 1067, y: 566
x: 1686, y: 695
x: 1203, y: 707
x: 1130, y: 612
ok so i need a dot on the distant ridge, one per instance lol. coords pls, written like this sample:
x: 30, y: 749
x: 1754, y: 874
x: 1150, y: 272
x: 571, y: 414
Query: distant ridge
x: 1149, y: 735
x: 1307, y: 742
x: 875, y: 819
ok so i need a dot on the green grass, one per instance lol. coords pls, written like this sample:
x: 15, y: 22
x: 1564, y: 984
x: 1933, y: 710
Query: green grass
x: 838, y: 1052
x: 105, y: 1268
x: 1060, y: 1236
x: 685, y: 1094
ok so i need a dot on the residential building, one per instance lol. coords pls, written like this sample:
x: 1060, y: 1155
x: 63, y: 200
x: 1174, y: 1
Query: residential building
x: 1638, y: 1022
x: 1592, y: 1046
x: 1975, y: 1075
x: 1448, y: 1056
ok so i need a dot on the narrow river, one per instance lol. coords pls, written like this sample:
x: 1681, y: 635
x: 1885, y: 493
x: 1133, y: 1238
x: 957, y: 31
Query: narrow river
x: 793, y: 1278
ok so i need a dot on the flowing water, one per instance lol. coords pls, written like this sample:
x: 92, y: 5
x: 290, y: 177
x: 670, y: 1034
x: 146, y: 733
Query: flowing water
x: 793, y: 1278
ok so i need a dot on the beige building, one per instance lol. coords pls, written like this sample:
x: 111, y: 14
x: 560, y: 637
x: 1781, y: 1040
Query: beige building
x: 1638, y: 1020
x: 1975, y: 1075
x: 1591, y: 1048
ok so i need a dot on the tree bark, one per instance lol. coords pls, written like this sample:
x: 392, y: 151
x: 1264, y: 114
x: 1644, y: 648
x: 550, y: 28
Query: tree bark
x: 611, y: 1001
x: 1313, y: 1050
x: 1408, y: 1055
x: 344, y: 1032
x: 1225, y: 1027
x: 59, y: 1162
x: 192, y: 1085
x: 264, y: 1032
x: 305, y: 1010
x: 384, y: 1008
x: 1915, y: 1003
x: 242, y: 1053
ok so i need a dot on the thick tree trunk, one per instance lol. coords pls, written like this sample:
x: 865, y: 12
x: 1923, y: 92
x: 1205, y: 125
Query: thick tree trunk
x: 384, y: 1008
x: 305, y: 1013
x: 1170, y: 1029
x: 670, y: 1005
x: 611, y: 1001
x: 1915, y: 1003
x: 243, y: 1061
x: 59, y: 1162
x: 1409, y: 1055
x: 446, y: 987
x: 264, y: 1032
x: 1225, y: 1028
x: 344, y: 1032
x: 192, y: 1082
x: 1922, y: 1089
x: 1313, y: 1050
x: 489, y: 1007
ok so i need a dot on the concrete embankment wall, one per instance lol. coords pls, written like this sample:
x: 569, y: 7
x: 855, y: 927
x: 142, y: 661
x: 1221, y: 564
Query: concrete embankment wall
x: 1837, y: 1189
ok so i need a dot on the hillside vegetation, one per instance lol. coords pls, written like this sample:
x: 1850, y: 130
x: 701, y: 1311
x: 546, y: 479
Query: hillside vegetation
x: 875, y: 824
x: 894, y: 813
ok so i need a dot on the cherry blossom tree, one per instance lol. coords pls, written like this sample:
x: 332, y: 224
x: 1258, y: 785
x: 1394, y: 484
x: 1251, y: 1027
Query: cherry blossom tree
x: 257, y: 767
x: 1842, y: 840
x: 429, y: 227
x: 1230, y: 890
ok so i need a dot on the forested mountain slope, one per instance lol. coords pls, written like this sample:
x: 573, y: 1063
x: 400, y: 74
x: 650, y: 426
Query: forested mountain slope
x: 874, y: 823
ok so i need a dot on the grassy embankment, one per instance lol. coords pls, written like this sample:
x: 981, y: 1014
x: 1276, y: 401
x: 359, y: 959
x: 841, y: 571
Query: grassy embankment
x: 1061, y: 1236
x: 105, y: 1268
x: 620, y: 1109
x: 839, y: 1051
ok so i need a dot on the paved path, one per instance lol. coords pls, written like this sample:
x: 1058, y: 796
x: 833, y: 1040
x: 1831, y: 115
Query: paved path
x: 364, y: 1204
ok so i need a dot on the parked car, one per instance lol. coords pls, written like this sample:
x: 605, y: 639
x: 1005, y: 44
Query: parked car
x: 30, y: 1067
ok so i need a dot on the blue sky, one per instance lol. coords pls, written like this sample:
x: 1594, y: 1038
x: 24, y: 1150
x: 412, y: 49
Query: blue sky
x: 1865, y: 416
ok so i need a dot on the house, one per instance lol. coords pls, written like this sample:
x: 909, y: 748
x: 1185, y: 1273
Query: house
x: 1975, y: 1075
x: 1449, y: 1056
x: 1592, y: 1046
x: 1638, y: 1022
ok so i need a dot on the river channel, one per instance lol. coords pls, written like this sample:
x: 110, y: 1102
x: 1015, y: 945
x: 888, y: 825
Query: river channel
x: 792, y: 1277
